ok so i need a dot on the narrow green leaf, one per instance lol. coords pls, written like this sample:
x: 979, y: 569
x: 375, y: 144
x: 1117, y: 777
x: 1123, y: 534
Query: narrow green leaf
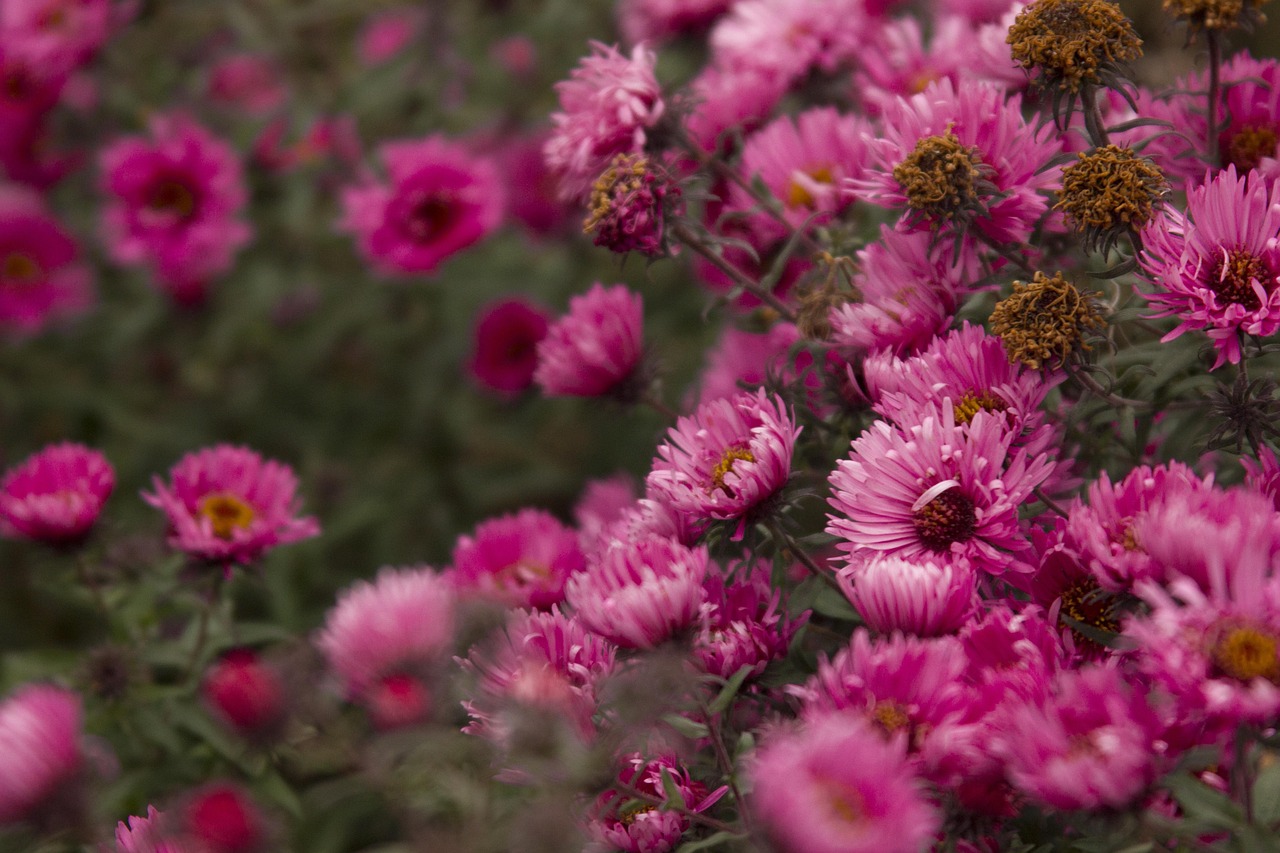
x: 725, y: 698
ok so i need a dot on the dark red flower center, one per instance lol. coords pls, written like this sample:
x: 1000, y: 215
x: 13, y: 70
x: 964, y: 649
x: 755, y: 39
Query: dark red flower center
x: 18, y: 269
x: 949, y: 518
x: 174, y: 197
x: 17, y: 84
x: 429, y: 217
x: 1232, y: 276
x: 1246, y: 147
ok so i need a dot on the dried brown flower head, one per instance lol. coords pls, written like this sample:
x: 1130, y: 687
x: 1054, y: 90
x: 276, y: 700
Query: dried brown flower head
x: 944, y: 179
x: 1216, y: 14
x: 1073, y: 43
x: 1043, y: 321
x: 630, y: 204
x: 817, y: 299
x: 1108, y: 192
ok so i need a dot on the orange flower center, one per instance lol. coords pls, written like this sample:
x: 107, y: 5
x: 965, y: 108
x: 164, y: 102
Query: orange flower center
x: 1245, y: 652
x: 800, y: 190
x: 733, y: 453
x: 226, y: 513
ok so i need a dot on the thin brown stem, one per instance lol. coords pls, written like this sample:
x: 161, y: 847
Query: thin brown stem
x: 805, y: 560
x: 695, y: 241
x: 726, y: 763
x: 1093, y: 117
x: 1083, y: 377
x: 1050, y: 502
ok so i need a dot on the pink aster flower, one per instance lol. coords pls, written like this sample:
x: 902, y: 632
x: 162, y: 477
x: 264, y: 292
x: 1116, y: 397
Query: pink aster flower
x: 42, y: 276
x: 246, y: 693
x: 660, y: 20
x: 58, y: 34
x: 607, y: 106
x: 147, y: 835
x: 1012, y: 652
x: 520, y: 560
x: 601, y: 503
x: 723, y: 101
x: 741, y: 360
x: 531, y: 187
x: 229, y: 505
x: 727, y: 459
x: 1006, y: 155
x: 835, y: 785
x: 175, y: 202
x: 386, y: 34
x: 1091, y: 744
x: 649, y: 517
x: 545, y: 661
x: 400, y: 623
x: 909, y: 286
x: 926, y: 597
x: 804, y: 163
x: 1217, y: 267
x: 936, y: 488
x: 639, y: 594
x: 505, y: 349
x: 40, y: 739
x: 595, y: 349
x: 56, y: 495
x: 439, y: 200
x: 221, y: 817
x: 1264, y: 474
x: 247, y: 82
x: 743, y: 622
x: 787, y: 39
x: 620, y: 823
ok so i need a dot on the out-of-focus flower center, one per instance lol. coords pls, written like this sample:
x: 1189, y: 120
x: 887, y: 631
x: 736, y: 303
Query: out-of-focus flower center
x: 1245, y: 148
x: 17, y: 84
x: 800, y: 192
x: 628, y: 817
x: 19, y: 268
x: 948, y: 518
x: 1245, y: 652
x: 521, y: 575
x: 53, y: 19
x: 1086, y: 604
x: 226, y: 513
x: 1232, y: 277
x: 978, y: 401
x: 843, y: 800
x: 940, y: 176
x: 173, y: 197
x: 429, y: 217
x: 890, y: 716
x: 733, y: 453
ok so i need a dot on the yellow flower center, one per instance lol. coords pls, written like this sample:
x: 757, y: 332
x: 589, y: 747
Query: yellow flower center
x: 226, y: 513
x: 978, y: 401
x: 799, y: 192
x: 1245, y: 652
x: 843, y: 800
x: 733, y: 453
x: 890, y: 716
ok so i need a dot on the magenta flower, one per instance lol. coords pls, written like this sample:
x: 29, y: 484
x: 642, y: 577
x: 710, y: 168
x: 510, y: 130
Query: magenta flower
x: 835, y: 785
x: 607, y: 106
x: 1092, y: 744
x: 60, y: 35
x: 727, y: 459
x: 221, y: 817
x: 743, y: 622
x: 146, y: 835
x: 623, y: 824
x: 1264, y: 475
x: 227, y: 504
x: 746, y: 359
x: 660, y: 20
x: 56, y: 495
x: 546, y: 661
x: 927, y: 597
x: 401, y: 623
x: 175, y: 202
x: 723, y: 100
x: 595, y: 349
x: 520, y: 560
x: 505, y: 350
x: 639, y: 594
x: 936, y: 488
x: 1218, y: 266
x: 40, y: 739
x: 247, y: 82
x: 42, y: 276
x: 440, y: 200
x: 245, y: 693
x: 787, y: 39
x: 386, y: 34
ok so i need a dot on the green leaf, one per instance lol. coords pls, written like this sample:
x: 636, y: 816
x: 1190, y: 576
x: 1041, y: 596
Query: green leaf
x: 274, y: 788
x: 1266, y: 796
x: 687, y: 727
x: 1204, y: 804
x: 675, y: 799
x: 725, y: 698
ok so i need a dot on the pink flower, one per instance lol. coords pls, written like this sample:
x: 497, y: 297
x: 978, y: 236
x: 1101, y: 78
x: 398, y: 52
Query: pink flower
x: 926, y: 597
x: 723, y: 100
x: 595, y: 349
x: 727, y: 459
x: 56, y: 495
x: 601, y: 503
x: 742, y: 359
x: 520, y: 560
x: 386, y: 34
x: 245, y: 693
x: 441, y: 199
x: 531, y: 187
x: 42, y: 276
x: 639, y: 594
x: 147, y: 835
x: 743, y: 622
x: 175, y: 203
x: 227, y: 504
x: 505, y: 349
x: 1092, y: 744
x: 936, y: 488
x: 40, y: 739
x: 57, y: 34
x: 396, y: 701
x: 1264, y: 475
x: 787, y: 39
x: 659, y: 20
x: 1218, y: 267
x: 399, y: 624
x: 545, y: 661
x: 247, y: 82
x: 621, y: 823
x: 1007, y: 155
x: 222, y: 818
x: 835, y: 785
x: 607, y: 105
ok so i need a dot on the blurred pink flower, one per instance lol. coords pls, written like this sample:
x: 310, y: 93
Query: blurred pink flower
x: 727, y: 459
x: 175, y: 202
x: 40, y: 739
x: 639, y: 594
x: 248, y: 82
x: 401, y: 623
x: 221, y: 817
x: 621, y: 823
x: 519, y: 560
x: 722, y: 101
x: 57, y: 34
x: 660, y: 20
x: 741, y: 359
x: 504, y: 352
x: 927, y: 596
x: 245, y: 693
x: 595, y: 349
x: 441, y: 199
x: 835, y: 785
x: 227, y: 504
x: 743, y: 622
x: 607, y: 106
x: 148, y: 835
x: 387, y: 33
x: 397, y: 700
x: 787, y: 39
x: 42, y: 276
x: 56, y: 495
